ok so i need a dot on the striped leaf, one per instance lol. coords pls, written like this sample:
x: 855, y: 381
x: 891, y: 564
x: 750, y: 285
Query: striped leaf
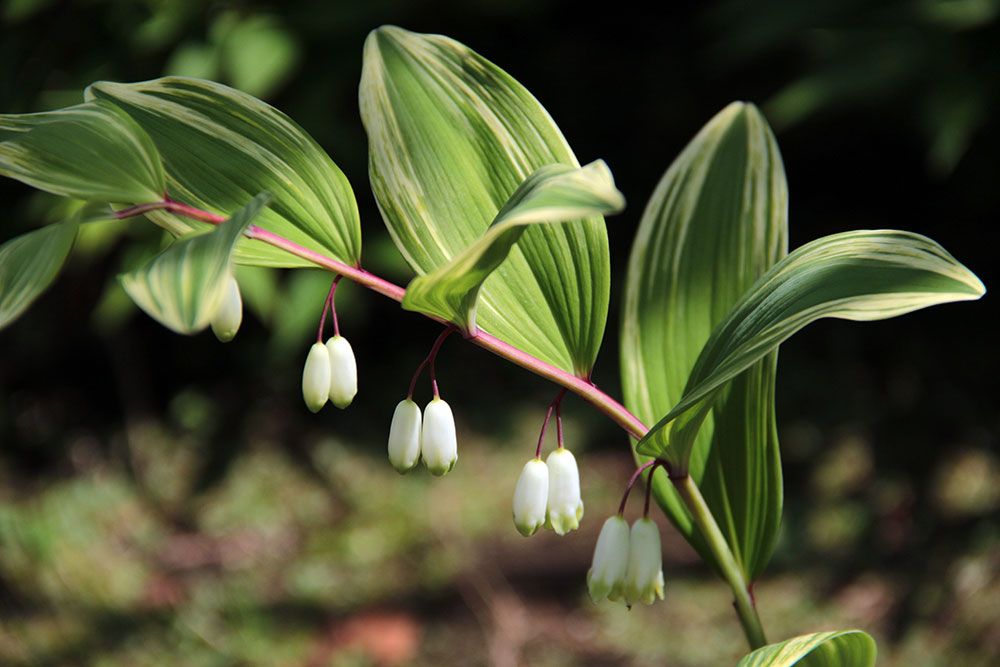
x: 861, y: 275
x: 220, y: 147
x: 845, y: 648
x: 451, y: 137
x: 556, y: 193
x: 715, y: 223
x: 28, y: 265
x: 91, y: 151
x: 182, y: 287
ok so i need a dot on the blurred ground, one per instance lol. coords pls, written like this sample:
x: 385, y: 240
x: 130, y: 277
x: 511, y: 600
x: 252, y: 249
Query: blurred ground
x: 169, y: 500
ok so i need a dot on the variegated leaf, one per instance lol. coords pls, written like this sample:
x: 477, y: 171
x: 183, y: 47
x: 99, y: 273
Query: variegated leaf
x: 182, y: 287
x: 451, y: 137
x: 860, y: 275
x: 220, y: 147
x: 556, y: 193
x: 91, y: 151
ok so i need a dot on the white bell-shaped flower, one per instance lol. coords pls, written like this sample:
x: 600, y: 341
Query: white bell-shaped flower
x: 606, y: 577
x: 343, y: 372
x: 438, y: 442
x: 227, y: 319
x: 565, y: 507
x: 644, y: 579
x: 530, y: 497
x: 404, y: 436
x: 316, y: 377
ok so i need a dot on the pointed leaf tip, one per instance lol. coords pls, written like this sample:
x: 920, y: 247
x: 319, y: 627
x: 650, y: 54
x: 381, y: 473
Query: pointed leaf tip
x: 861, y: 275
x: 451, y: 138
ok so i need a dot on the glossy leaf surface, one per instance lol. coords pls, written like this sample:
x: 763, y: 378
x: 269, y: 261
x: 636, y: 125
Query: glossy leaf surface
x: 846, y: 648
x: 715, y: 223
x: 182, y: 287
x: 556, y: 193
x: 28, y: 265
x: 221, y: 147
x: 860, y: 275
x: 451, y: 137
x: 91, y: 151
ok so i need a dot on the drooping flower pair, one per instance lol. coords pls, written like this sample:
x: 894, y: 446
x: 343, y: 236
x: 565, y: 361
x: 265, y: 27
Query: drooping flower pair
x: 330, y: 373
x: 430, y: 437
x: 627, y: 564
x: 548, y: 494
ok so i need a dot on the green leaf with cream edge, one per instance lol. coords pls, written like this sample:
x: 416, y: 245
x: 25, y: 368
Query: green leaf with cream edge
x: 451, y: 137
x: 29, y: 263
x: 860, y: 275
x: 182, y: 287
x: 91, y: 151
x: 220, y: 147
x: 845, y: 648
x: 715, y: 223
x: 556, y: 193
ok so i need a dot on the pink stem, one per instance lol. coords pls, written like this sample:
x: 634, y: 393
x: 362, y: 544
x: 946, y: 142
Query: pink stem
x: 580, y: 386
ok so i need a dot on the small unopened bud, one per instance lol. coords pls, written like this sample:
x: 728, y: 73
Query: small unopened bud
x: 343, y: 372
x: 316, y: 377
x: 530, y: 497
x: 404, y: 436
x: 644, y: 579
x: 606, y: 577
x: 226, y: 321
x: 565, y: 507
x: 438, y: 442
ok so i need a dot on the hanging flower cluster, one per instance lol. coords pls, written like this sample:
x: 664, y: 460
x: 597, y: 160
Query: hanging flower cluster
x: 628, y: 564
x: 548, y: 494
x: 330, y: 372
x: 429, y: 436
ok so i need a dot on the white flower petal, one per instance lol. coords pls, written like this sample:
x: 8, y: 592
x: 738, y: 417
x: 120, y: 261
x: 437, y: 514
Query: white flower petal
x: 316, y: 377
x: 404, y: 436
x: 565, y: 507
x: 530, y: 497
x: 343, y: 371
x: 644, y: 579
x: 438, y: 442
x: 227, y: 319
x: 606, y: 577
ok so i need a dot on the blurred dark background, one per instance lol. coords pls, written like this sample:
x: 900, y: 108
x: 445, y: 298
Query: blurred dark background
x: 167, y: 499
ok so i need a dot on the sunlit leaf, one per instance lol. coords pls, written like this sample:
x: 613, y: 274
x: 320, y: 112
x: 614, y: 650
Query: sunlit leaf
x: 860, y: 275
x: 28, y: 265
x: 221, y: 147
x: 556, y: 193
x: 716, y: 222
x: 845, y: 648
x: 451, y: 137
x: 91, y: 151
x: 181, y: 288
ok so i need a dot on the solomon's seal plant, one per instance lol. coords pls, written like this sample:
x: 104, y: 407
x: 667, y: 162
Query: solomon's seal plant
x: 505, y: 231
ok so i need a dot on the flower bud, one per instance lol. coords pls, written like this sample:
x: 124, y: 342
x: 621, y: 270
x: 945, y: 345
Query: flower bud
x: 404, y: 436
x: 565, y: 507
x: 530, y: 497
x: 316, y: 377
x: 227, y: 319
x: 644, y: 579
x: 343, y: 372
x: 606, y: 577
x: 438, y: 443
